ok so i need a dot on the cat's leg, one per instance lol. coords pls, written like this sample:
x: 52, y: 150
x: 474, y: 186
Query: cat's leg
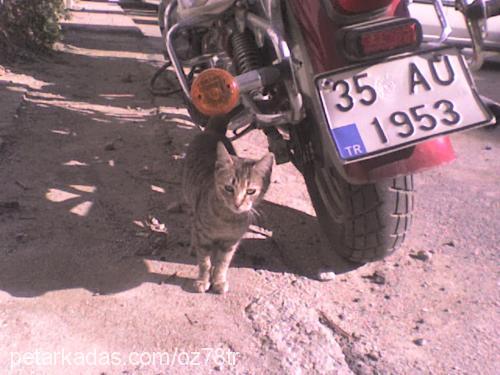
x: 192, y: 245
x: 202, y: 283
x: 222, y: 260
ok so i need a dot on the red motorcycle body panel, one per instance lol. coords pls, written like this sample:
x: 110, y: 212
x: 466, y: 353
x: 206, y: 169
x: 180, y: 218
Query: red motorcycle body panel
x: 353, y: 6
x: 423, y: 156
x: 318, y: 31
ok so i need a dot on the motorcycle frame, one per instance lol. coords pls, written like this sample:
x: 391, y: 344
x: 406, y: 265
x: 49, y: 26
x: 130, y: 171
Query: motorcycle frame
x: 262, y: 28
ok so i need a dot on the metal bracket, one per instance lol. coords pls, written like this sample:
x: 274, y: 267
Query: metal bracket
x: 258, y: 24
x: 443, y: 21
x: 475, y: 17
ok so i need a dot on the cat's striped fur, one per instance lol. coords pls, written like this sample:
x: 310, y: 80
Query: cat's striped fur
x: 222, y: 191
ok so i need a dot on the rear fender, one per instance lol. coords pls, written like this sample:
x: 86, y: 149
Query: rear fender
x: 415, y: 159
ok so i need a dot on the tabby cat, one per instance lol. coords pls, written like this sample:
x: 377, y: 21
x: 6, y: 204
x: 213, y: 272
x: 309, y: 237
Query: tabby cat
x: 222, y: 191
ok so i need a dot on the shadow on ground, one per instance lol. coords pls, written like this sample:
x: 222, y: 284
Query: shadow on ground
x: 90, y: 162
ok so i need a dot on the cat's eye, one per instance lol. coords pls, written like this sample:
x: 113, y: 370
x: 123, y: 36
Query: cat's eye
x: 251, y: 191
x: 229, y: 188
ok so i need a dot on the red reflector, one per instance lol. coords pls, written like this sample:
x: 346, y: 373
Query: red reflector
x: 360, y: 6
x: 381, y: 38
x: 390, y: 39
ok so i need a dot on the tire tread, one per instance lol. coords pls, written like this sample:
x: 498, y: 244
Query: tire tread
x: 382, y: 237
x: 376, y: 218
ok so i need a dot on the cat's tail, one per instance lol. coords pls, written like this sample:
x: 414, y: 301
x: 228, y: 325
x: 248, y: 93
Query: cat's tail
x: 218, y: 126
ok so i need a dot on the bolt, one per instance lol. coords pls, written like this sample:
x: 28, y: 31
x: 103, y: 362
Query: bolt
x: 326, y: 84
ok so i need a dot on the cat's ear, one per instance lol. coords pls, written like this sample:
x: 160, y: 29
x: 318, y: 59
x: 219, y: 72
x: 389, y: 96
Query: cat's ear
x: 265, y: 165
x: 224, y: 159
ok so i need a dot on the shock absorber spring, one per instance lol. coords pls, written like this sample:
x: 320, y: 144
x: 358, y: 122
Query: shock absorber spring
x: 245, y: 52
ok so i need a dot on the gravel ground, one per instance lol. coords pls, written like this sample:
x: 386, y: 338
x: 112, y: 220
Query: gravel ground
x: 89, y: 163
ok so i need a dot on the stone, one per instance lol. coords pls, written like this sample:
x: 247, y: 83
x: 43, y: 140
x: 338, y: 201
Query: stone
x: 422, y: 255
x: 326, y: 275
x: 376, y: 278
x: 420, y: 342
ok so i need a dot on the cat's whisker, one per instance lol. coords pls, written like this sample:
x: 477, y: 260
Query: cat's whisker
x: 255, y: 215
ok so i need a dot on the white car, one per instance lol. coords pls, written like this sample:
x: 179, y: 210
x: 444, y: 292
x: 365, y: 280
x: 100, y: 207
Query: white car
x: 423, y: 10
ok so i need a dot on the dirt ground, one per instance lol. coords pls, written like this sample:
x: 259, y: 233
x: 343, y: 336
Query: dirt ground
x: 95, y: 272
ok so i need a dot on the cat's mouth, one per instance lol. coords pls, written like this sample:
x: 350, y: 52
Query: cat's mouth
x: 241, y: 209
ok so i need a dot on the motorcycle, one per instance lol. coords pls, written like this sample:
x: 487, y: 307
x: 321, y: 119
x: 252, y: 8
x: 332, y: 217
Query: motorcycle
x: 343, y: 89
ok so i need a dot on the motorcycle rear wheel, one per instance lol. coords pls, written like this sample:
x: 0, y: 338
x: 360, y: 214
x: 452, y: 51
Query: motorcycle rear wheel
x: 363, y: 223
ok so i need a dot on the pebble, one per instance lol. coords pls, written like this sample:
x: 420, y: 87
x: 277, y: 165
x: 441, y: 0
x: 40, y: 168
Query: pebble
x: 420, y: 342
x: 110, y: 147
x: 326, y: 275
x: 376, y: 278
x: 372, y: 356
x: 422, y: 255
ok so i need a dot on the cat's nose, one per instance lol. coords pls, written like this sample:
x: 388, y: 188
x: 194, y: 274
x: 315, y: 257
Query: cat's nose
x: 238, y: 202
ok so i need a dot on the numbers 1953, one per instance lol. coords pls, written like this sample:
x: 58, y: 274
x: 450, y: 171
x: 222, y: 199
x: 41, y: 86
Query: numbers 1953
x: 416, y: 118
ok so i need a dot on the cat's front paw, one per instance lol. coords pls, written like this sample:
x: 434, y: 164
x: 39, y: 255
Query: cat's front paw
x: 220, y: 288
x: 201, y: 286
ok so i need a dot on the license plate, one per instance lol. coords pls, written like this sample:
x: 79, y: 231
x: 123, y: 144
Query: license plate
x: 402, y: 101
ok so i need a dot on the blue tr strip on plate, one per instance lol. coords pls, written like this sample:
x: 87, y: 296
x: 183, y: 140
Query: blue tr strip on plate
x: 349, y: 142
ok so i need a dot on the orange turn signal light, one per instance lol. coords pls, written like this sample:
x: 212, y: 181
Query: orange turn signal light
x: 215, y: 92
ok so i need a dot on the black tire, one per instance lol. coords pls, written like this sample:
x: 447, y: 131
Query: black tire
x: 363, y: 223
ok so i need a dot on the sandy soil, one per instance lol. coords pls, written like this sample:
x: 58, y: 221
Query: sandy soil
x: 91, y: 282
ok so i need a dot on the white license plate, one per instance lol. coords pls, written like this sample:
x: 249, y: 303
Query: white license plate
x: 402, y: 101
